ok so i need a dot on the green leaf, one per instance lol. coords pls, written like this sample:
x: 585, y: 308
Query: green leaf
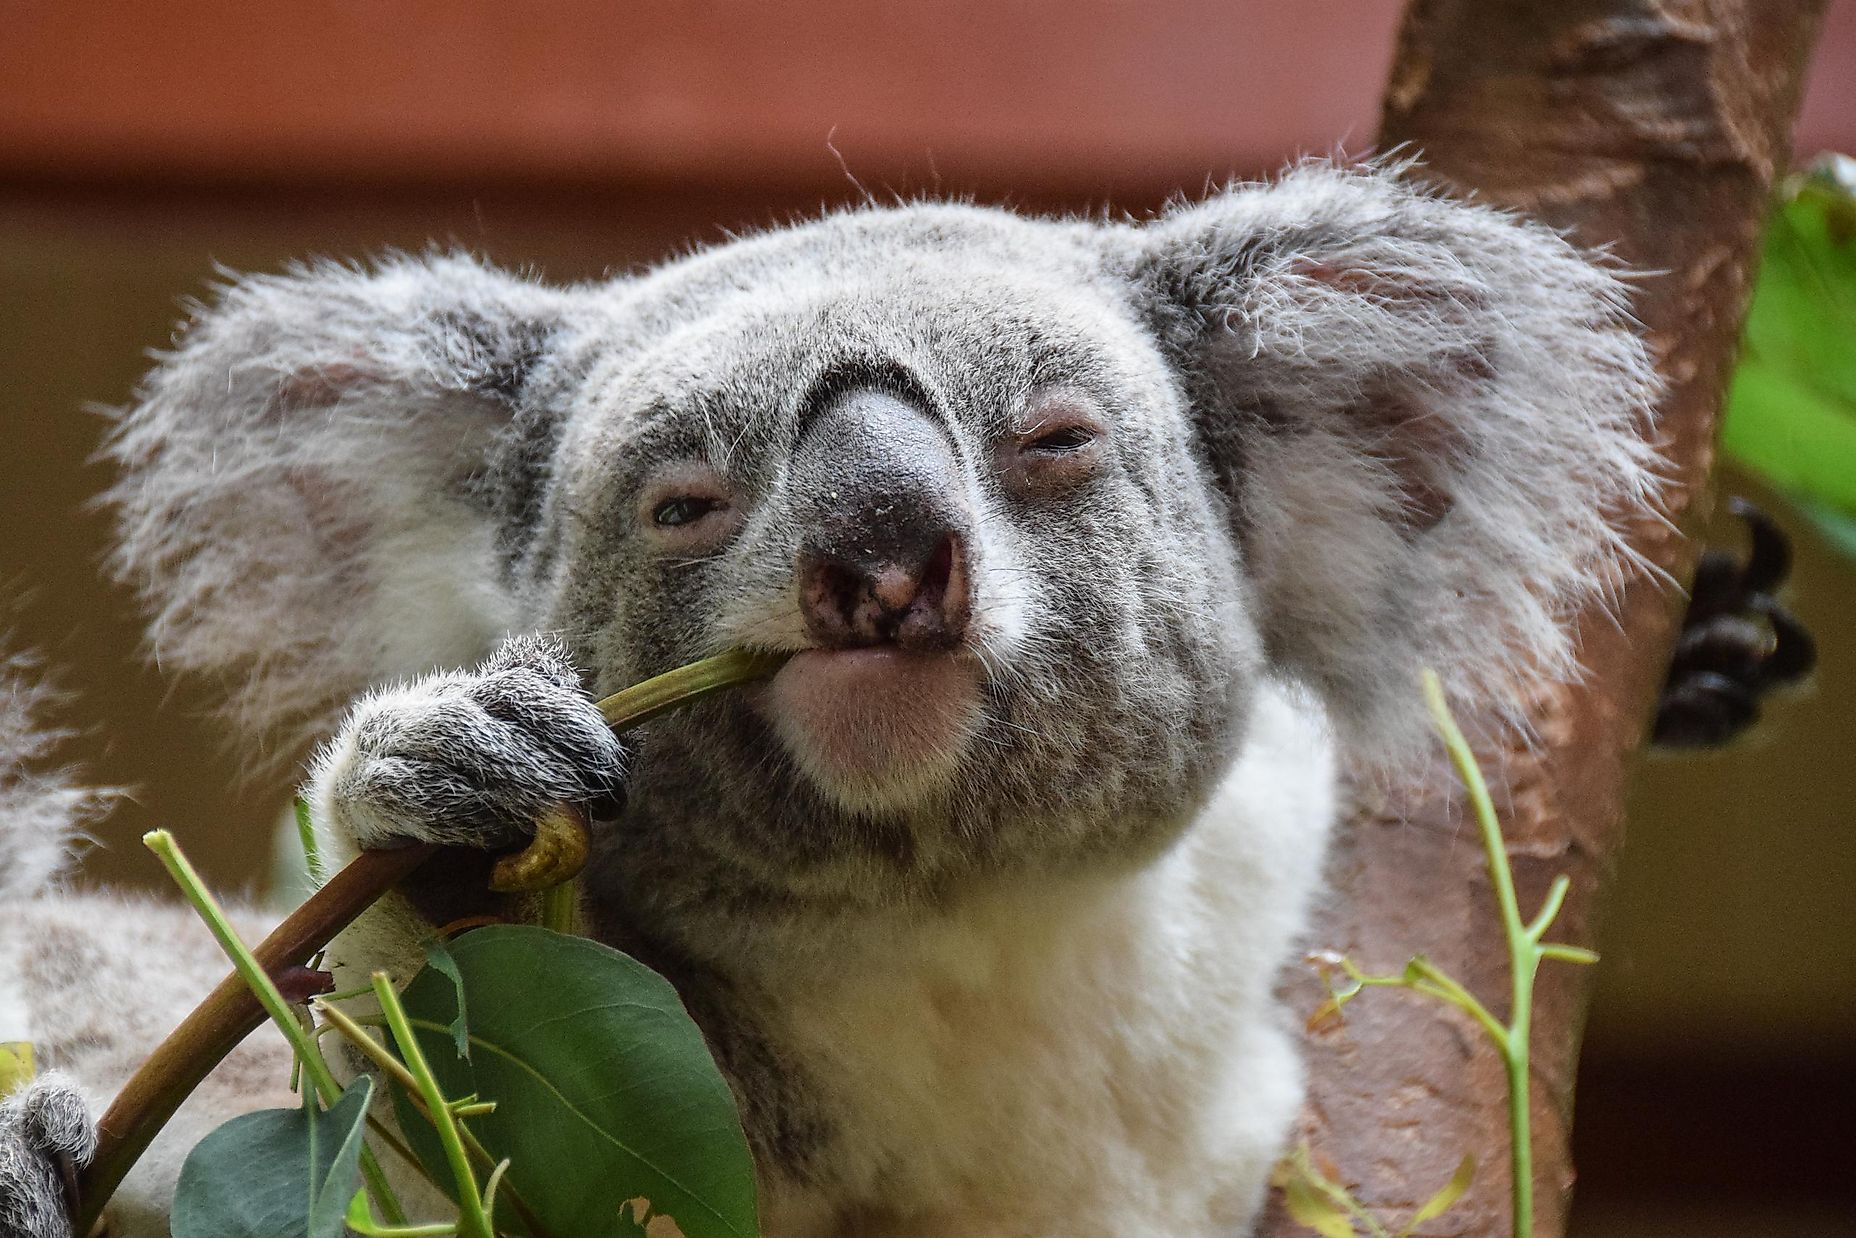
x: 1791, y: 410
x: 605, y: 1091
x: 276, y: 1173
x: 1311, y: 1199
x: 306, y: 835
x: 1446, y: 1197
x: 1799, y: 438
x: 1308, y: 1206
x: 1838, y: 528
x: 438, y: 958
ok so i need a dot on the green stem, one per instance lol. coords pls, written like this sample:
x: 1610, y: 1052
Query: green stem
x: 351, y: 1028
x: 1513, y: 1039
x: 560, y: 905
x: 643, y: 701
x: 362, y: 1222
x: 1523, y: 956
x: 149, y: 1098
x: 282, y: 1013
x: 1550, y: 909
x: 306, y: 835
x: 473, y: 1222
x: 1449, y: 989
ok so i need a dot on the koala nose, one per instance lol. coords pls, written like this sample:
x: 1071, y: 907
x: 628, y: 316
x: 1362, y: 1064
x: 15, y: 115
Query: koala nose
x: 885, y: 556
x: 918, y: 601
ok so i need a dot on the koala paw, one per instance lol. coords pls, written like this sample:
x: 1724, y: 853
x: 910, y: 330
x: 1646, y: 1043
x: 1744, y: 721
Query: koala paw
x: 46, y: 1136
x: 470, y: 759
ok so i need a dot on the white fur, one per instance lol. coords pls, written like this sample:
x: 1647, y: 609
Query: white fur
x: 1092, y: 1056
x: 1376, y: 430
x: 42, y: 809
x: 1095, y: 1056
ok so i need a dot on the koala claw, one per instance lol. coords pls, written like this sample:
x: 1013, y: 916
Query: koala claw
x: 558, y: 852
x: 46, y: 1136
x: 471, y: 759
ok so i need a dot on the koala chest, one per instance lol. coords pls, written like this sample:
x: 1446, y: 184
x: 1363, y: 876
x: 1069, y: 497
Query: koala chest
x: 1059, y: 1041
x: 980, y: 1058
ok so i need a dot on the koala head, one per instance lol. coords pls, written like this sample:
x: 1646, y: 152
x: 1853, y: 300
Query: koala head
x: 1036, y: 504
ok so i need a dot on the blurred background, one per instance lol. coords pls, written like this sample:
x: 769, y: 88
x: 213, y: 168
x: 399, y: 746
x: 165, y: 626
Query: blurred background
x: 141, y: 145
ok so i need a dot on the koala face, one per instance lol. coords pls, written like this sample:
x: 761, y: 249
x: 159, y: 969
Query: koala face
x: 1034, y: 503
x: 936, y: 455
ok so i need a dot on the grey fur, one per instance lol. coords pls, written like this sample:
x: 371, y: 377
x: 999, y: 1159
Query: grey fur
x: 43, y: 805
x: 46, y: 1135
x: 45, y: 1128
x: 1348, y: 429
x: 473, y: 760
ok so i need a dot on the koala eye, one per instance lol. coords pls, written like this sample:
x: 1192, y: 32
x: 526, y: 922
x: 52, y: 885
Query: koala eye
x: 1061, y: 440
x: 1062, y: 444
x: 685, y: 509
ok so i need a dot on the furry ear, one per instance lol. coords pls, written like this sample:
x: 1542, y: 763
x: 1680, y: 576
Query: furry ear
x: 324, y: 483
x: 1430, y: 419
x: 44, y: 806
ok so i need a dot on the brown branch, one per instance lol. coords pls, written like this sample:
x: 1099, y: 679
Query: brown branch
x: 1657, y: 129
x: 227, y: 1015
x: 231, y: 1011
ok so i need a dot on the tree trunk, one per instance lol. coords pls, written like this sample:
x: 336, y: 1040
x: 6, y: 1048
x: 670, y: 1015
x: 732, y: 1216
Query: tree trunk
x: 1656, y: 127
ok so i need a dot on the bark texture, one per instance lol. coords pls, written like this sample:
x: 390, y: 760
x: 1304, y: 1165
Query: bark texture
x: 1656, y: 127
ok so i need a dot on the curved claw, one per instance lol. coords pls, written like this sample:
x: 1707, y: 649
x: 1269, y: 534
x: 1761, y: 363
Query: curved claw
x: 555, y: 855
x: 1716, y: 587
x: 1737, y: 641
x: 1769, y: 561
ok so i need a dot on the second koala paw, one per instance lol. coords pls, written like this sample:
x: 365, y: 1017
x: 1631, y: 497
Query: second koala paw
x: 469, y: 758
x: 46, y: 1136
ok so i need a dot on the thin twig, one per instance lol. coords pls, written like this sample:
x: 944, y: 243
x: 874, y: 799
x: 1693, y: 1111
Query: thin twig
x: 231, y: 1011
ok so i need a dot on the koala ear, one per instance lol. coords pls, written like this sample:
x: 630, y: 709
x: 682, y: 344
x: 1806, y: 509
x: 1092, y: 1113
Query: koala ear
x: 325, y: 482
x: 1430, y: 419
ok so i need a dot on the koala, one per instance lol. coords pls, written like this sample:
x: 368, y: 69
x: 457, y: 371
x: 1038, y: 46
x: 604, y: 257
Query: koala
x: 1104, y: 550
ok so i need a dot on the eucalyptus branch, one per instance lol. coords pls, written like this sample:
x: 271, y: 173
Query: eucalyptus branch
x: 227, y: 1015
x: 1512, y: 1040
x: 264, y: 989
x: 355, y: 1033
x: 232, y: 1011
x: 1525, y: 952
x: 473, y: 1220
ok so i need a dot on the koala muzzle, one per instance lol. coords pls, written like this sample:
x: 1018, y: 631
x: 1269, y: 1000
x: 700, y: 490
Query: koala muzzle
x: 886, y: 560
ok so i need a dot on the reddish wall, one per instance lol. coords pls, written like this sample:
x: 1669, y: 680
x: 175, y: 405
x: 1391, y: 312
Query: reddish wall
x: 1087, y: 96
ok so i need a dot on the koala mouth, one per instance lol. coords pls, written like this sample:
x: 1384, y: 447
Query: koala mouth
x: 880, y: 726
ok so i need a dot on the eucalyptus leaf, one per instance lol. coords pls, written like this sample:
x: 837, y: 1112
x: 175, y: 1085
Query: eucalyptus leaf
x: 1445, y: 1198
x: 276, y: 1173
x: 604, y: 1089
x: 438, y: 958
x: 1308, y: 1206
x: 1838, y: 528
x: 1791, y: 409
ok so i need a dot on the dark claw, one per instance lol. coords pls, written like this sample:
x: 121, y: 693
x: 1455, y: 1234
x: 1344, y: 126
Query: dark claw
x: 1727, y: 644
x: 1716, y: 587
x: 1706, y: 709
x: 1737, y: 642
x: 1769, y: 562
